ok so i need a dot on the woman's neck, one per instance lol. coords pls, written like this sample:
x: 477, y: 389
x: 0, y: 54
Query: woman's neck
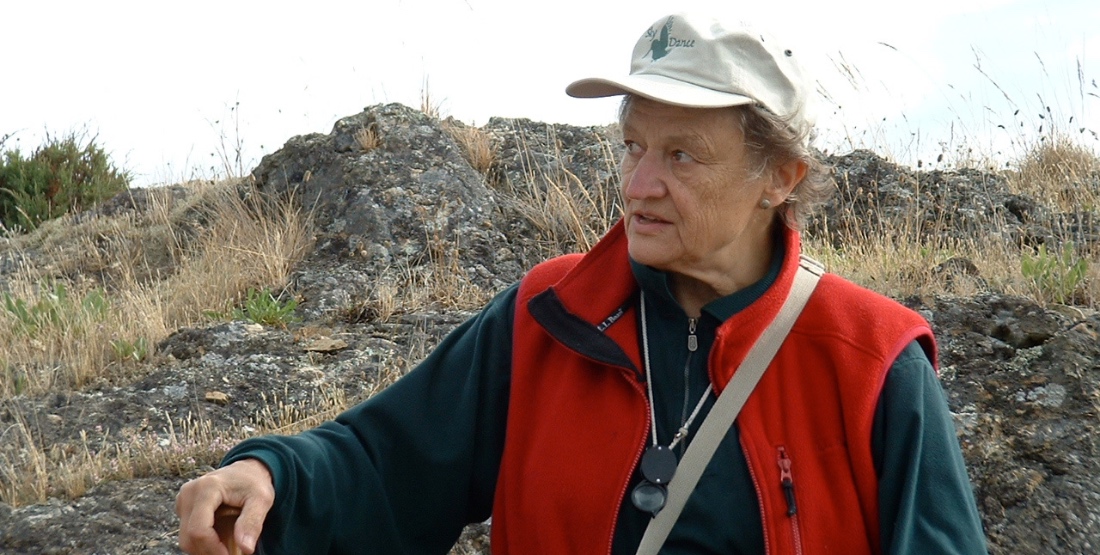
x: 692, y: 292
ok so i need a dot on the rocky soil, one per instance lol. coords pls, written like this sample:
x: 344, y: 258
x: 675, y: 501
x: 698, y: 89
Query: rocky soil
x: 1023, y: 381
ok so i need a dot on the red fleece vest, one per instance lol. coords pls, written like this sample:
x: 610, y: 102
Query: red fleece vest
x: 578, y: 414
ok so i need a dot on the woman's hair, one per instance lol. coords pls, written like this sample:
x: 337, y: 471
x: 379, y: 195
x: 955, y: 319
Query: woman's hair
x: 772, y: 141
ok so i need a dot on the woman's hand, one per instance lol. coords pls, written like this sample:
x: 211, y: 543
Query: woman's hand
x: 246, y: 484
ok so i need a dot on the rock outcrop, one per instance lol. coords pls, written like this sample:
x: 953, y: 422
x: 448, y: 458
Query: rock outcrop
x: 390, y: 188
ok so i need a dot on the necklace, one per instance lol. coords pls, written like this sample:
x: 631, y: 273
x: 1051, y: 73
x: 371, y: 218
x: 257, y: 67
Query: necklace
x: 659, y: 461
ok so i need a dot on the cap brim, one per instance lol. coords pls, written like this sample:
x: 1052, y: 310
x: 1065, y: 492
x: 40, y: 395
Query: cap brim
x: 656, y: 87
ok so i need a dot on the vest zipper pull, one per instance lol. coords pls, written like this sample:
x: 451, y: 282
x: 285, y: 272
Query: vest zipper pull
x: 693, y: 340
x: 787, y: 481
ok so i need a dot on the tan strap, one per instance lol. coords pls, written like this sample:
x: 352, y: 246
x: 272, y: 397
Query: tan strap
x: 728, y: 405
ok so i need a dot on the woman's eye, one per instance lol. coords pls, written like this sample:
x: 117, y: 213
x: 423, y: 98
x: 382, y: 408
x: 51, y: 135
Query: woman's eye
x: 681, y: 156
x: 632, y: 147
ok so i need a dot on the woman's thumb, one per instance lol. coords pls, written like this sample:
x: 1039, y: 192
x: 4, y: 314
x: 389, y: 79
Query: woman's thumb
x: 250, y: 523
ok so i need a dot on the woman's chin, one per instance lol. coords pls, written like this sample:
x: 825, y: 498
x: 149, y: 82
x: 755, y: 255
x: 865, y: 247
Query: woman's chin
x: 652, y: 255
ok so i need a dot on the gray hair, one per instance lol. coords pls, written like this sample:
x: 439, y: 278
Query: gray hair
x: 772, y: 141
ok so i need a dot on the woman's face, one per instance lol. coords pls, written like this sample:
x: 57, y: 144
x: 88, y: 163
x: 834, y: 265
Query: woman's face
x: 691, y: 203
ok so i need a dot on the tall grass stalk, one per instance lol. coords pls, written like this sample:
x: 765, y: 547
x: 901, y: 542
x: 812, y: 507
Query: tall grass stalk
x: 567, y: 214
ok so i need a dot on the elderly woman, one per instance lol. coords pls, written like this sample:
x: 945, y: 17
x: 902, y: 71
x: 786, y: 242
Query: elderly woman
x: 553, y: 407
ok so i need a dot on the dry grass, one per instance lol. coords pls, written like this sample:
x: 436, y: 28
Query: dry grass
x: 249, y: 243
x: 567, y: 214
x: 1060, y: 172
x: 105, y: 290
x: 439, y: 283
x: 476, y: 144
x: 429, y: 105
x: 901, y: 258
x: 32, y: 472
x: 1064, y: 175
x: 442, y: 283
x: 155, y: 279
x: 899, y: 266
x: 562, y: 210
x: 368, y: 138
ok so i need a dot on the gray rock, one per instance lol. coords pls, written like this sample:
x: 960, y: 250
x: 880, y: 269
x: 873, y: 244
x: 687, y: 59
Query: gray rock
x: 875, y: 196
x: 409, y: 200
x: 1025, y: 384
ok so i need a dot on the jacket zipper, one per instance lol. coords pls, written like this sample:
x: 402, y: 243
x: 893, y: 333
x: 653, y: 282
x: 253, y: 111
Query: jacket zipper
x: 636, y: 384
x: 692, y: 345
x: 786, y: 481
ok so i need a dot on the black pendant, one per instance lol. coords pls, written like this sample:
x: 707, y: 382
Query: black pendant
x: 659, y: 464
x: 649, y: 497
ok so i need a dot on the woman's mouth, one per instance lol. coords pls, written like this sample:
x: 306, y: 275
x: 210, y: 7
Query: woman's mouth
x: 643, y: 222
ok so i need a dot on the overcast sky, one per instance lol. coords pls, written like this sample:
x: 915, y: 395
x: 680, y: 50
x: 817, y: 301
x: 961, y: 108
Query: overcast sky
x: 167, y: 86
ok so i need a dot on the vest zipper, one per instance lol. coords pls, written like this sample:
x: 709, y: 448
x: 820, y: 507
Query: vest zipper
x: 786, y: 481
x: 759, y: 495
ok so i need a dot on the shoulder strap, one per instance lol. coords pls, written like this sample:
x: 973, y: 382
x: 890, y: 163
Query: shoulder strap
x: 729, y: 403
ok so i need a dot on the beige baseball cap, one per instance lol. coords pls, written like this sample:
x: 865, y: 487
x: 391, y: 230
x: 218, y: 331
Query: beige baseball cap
x: 699, y: 62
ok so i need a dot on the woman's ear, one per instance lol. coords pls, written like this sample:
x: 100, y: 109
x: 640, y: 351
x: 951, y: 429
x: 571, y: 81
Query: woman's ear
x: 786, y: 177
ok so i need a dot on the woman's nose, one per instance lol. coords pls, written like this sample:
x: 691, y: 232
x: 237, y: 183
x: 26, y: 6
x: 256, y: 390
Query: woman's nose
x: 646, y: 178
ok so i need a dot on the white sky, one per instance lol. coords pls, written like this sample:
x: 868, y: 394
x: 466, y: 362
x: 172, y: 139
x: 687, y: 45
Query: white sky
x: 166, y: 87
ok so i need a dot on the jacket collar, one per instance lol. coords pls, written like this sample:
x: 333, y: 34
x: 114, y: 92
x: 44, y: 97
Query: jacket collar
x: 585, y: 309
x: 657, y: 285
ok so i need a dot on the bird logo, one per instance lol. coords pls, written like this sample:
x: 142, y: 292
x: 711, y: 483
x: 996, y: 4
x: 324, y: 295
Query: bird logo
x: 659, y: 46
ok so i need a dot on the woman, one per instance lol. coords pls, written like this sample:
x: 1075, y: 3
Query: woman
x: 538, y: 410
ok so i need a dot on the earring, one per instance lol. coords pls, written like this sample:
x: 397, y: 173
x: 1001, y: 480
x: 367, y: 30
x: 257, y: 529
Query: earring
x: 765, y: 204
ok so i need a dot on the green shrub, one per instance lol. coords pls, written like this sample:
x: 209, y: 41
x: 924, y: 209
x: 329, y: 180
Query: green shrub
x: 262, y: 307
x: 54, y: 309
x: 126, y: 350
x: 1055, y: 276
x: 64, y: 174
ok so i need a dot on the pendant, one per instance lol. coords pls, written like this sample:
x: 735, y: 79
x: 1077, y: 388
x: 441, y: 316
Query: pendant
x: 649, y: 497
x: 659, y: 464
x: 658, y: 467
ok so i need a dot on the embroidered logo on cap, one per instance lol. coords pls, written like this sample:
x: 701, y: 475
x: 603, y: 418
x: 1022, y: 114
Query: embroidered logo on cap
x: 662, y: 43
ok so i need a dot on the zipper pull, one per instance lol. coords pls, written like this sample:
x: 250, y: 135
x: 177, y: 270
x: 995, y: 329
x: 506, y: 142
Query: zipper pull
x: 693, y: 340
x: 787, y: 481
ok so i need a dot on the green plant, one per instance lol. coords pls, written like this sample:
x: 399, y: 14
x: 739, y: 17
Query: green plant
x: 1055, y: 276
x: 14, y: 379
x: 53, y: 308
x: 64, y: 174
x: 126, y: 350
x: 261, y: 307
